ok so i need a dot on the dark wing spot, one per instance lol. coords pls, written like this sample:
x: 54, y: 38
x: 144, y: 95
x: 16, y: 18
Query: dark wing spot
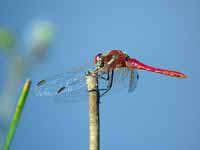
x: 61, y: 89
x: 138, y: 76
x: 41, y: 82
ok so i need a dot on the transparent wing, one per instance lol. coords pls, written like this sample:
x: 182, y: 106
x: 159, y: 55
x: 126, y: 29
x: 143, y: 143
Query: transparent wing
x: 123, y: 78
x: 65, y: 83
x: 72, y: 83
x: 134, y: 77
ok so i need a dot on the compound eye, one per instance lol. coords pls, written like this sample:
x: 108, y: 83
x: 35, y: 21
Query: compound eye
x: 97, y: 57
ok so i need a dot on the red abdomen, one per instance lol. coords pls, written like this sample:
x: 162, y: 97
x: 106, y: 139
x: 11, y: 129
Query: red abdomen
x: 135, y: 64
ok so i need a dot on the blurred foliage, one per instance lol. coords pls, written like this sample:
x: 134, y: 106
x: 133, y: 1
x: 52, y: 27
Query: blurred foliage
x: 42, y: 32
x: 7, y: 40
x: 17, y: 68
x: 41, y: 36
x: 19, y: 64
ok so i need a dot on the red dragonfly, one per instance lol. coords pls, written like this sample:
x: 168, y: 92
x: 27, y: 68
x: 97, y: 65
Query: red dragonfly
x: 115, y: 68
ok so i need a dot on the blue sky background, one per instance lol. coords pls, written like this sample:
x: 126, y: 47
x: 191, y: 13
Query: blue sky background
x: 162, y: 113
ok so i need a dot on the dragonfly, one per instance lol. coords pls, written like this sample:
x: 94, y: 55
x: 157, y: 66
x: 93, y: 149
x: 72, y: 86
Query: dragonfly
x: 114, y: 69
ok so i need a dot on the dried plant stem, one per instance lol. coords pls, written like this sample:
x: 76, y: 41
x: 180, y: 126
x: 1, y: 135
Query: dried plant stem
x: 17, y: 114
x: 94, y: 138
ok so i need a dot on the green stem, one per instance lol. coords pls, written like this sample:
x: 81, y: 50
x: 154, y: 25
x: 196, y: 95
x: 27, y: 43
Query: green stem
x: 17, y: 114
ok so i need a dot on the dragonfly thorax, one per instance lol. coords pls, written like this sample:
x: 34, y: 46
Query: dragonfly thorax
x: 113, y: 59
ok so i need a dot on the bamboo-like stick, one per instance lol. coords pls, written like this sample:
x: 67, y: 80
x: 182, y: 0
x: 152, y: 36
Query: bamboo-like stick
x: 17, y: 115
x: 94, y: 138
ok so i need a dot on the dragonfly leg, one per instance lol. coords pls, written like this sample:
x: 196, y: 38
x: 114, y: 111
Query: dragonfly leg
x: 109, y: 77
x: 109, y: 85
x: 105, y: 78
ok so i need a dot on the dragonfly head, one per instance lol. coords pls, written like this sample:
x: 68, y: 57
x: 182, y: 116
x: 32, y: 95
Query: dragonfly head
x: 99, y: 60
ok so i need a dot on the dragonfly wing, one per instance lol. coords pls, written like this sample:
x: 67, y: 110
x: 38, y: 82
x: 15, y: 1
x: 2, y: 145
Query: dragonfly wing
x: 134, y: 77
x: 123, y: 78
x: 59, y: 84
x: 65, y: 83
